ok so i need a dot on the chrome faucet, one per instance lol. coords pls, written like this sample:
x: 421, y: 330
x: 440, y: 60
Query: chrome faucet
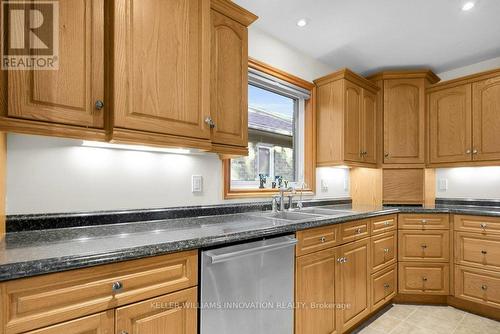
x: 281, y: 199
x: 299, y: 202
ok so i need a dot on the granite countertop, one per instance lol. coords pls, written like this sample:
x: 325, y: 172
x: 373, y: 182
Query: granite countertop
x: 30, y: 253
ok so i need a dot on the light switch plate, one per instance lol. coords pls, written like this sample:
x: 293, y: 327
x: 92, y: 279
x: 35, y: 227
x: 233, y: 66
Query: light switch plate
x: 324, y: 186
x: 443, y: 184
x: 196, y: 183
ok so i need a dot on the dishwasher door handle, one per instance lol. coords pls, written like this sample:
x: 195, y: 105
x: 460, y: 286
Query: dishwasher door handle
x: 218, y: 258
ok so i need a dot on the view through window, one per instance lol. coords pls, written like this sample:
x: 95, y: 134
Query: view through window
x: 272, y: 137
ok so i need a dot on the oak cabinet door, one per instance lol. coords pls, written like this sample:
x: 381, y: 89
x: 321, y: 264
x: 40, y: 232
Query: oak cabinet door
x: 404, y: 116
x: 369, y: 130
x: 353, y: 110
x: 162, y: 66
x: 67, y: 95
x: 450, y: 118
x: 486, y: 119
x: 175, y: 313
x: 101, y: 323
x: 353, y: 277
x: 315, y: 285
x: 229, y: 81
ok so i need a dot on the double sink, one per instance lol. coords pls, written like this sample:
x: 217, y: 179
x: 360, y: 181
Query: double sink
x: 304, y: 214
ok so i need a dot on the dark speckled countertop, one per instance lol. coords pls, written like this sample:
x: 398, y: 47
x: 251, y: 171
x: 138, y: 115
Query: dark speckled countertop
x: 30, y: 253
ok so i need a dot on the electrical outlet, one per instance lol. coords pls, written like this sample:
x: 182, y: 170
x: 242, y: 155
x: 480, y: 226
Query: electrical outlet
x: 443, y: 184
x: 196, y: 183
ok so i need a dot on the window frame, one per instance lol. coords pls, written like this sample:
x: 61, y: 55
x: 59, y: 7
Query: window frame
x: 309, y: 134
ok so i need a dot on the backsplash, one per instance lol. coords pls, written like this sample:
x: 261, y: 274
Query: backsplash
x: 468, y: 182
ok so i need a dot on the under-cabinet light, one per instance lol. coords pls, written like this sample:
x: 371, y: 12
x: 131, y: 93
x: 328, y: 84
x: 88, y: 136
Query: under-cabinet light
x: 88, y: 143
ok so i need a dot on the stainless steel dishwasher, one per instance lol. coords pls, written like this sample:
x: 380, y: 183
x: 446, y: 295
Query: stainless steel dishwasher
x: 248, y: 288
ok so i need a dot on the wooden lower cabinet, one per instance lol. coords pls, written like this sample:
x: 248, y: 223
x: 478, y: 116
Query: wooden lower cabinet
x: 476, y: 250
x: 424, y: 278
x: 101, y: 323
x: 352, y: 281
x: 477, y: 285
x: 429, y: 246
x: 175, y: 313
x: 383, y: 286
x: 315, y: 285
x: 383, y: 250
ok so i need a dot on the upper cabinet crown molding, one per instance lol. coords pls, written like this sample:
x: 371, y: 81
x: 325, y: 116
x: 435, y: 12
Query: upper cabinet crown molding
x: 234, y: 12
x: 347, y: 74
x: 464, y: 80
x: 430, y: 76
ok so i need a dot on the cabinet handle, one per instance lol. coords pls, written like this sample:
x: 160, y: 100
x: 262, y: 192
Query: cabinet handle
x: 484, y: 252
x: 386, y: 286
x: 99, y: 105
x: 467, y: 152
x: 474, y: 151
x: 117, y: 286
x: 484, y: 287
x: 483, y: 226
x: 424, y: 246
x: 210, y: 122
x: 323, y: 239
x: 339, y: 260
x: 344, y: 260
x: 387, y: 223
x: 424, y: 221
x: 386, y: 250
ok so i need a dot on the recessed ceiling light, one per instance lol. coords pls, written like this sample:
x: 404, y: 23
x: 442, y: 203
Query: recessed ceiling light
x: 302, y: 23
x: 468, y: 6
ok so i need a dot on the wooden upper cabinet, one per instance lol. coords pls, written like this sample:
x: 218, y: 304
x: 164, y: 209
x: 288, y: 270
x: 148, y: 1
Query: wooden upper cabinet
x: 346, y: 120
x: 229, y: 74
x: 67, y: 95
x: 403, y: 113
x: 404, y: 117
x: 162, y: 68
x: 450, y: 120
x: 486, y: 119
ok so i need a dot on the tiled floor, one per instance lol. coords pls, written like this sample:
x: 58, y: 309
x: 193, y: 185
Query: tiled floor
x: 419, y: 319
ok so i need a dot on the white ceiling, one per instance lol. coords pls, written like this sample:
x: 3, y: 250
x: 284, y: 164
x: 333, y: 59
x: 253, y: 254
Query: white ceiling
x: 369, y: 35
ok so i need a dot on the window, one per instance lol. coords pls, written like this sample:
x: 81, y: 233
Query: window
x: 276, y: 135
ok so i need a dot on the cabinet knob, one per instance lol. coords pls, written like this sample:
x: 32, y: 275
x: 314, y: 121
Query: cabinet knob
x: 424, y: 279
x: 386, y: 286
x: 386, y: 155
x: 323, y: 239
x: 339, y: 260
x: 117, y: 286
x: 484, y: 287
x: 474, y: 151
x: 387, y: 223
x: 210, y: 122
x: 483, y: 226
x: 358, y: 231
x: 123, y: 332
x: 386, y: 250
x: 99, y: 105
x: 467, y: 152
x: 424, y: 246
x: 345, y: 260
x: 484, y: 252
x: 424, y: 221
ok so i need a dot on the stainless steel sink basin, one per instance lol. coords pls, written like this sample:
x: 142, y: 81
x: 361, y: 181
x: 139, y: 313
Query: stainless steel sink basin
x: 287, y: 215
x: 325, y: 212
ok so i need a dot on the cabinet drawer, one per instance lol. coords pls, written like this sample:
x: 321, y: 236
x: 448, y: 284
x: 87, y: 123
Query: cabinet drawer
x: 477, y: 285
x: 384, y: 224
x: 101, y: 323
x: 383, y: 285
x: 355, y: 230
x: 59, y: 297
x: 316, y: 239
x: 423, y: 221
x: 432, y: 246
x: 383, y: 250
x: 424, y: 278
x: 477, y: 250
x: 477, y: 224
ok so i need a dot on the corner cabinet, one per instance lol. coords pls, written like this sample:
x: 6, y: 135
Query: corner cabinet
x: 68, y: 101
x: 346, y: 120
x: 403, y: 110
x: 161, y: 71
x: 229, y: 77
x: 464, y: 121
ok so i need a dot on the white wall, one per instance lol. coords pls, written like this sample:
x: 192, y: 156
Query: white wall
x: 469, y: 182
x: 270, y: 50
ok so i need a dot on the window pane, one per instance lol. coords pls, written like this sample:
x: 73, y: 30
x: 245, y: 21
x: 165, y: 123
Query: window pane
x: 271, y: 131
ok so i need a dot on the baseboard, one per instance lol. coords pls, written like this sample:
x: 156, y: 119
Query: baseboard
x: 479, y: 309
x: 420, y: 299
